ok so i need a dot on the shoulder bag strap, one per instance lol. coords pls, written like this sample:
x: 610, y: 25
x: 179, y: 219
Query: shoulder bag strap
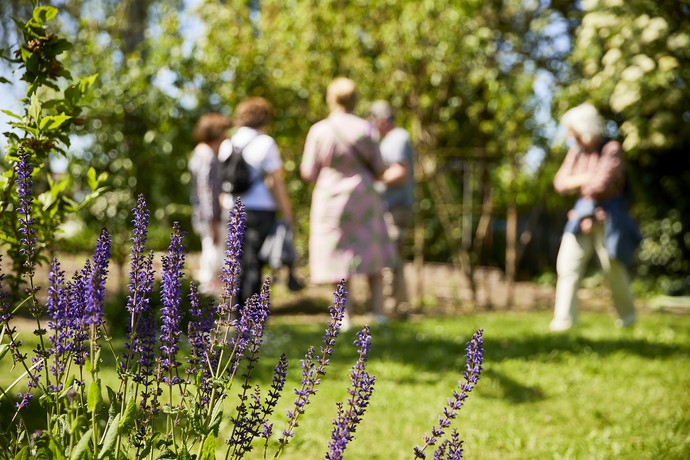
x: 351, y: 146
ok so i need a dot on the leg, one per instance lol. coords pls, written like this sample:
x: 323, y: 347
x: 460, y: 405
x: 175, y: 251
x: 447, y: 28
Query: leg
x: 207, y: 263
x: 376, y: 293
x: 573, y: 255
x: 619, y: 282
x: 398, y: 220
x: 259, y: 224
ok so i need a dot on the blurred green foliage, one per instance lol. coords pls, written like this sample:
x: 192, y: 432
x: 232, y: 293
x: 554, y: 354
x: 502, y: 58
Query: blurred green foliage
x: 477, y: 83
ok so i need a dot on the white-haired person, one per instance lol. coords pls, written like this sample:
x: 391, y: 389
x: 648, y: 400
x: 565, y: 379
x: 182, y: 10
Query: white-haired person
x: 594, y: 171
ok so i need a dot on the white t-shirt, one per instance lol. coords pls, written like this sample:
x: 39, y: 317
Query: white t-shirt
x: 262, y: 155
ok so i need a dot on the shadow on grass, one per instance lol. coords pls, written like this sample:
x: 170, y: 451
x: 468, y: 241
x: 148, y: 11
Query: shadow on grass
x: 413, y: 345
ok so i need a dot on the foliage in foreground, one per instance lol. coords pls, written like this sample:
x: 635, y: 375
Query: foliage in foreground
x: 164, y: 408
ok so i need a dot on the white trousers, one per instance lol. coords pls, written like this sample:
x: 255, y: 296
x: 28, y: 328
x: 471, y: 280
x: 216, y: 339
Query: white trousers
x: 210, y: 261
x: 573, y: 256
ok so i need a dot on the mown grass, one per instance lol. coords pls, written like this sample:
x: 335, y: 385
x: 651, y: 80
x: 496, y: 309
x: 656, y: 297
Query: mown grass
x: 594, y: 393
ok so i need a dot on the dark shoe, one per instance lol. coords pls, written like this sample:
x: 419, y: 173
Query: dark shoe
x: 294, y: 284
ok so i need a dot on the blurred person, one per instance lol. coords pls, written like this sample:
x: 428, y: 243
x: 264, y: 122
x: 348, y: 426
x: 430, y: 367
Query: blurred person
x: 268, y: 193
x: 348, y: 233
x: 397, y: 190
x: 210, y: 130
x: 594, y: 171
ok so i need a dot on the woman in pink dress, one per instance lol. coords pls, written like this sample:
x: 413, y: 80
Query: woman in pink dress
x: 347, y: 230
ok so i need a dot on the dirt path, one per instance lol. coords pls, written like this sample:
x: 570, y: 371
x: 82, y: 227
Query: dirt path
x: 436, y: 289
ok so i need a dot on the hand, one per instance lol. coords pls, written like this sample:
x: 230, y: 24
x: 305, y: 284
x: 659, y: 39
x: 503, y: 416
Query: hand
x: 586, y: 224
x: 599, y: 214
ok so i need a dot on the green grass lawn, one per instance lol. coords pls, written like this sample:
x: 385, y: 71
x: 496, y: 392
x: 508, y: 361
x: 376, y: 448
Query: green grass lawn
x: 594, y: 393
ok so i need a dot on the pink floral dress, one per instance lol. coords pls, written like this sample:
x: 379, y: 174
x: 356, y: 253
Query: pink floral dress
x: 347, y: 229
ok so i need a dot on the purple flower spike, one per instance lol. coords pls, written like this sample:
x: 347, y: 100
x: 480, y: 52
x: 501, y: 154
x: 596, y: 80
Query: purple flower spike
x: 450, y: 449
x: 141, y: 274
x: 312, y: 368
x: 230, y: 274
x: 473, y: 369
x: 60, y: 322
x: 95, y: 288
x: 172, y: 275
x: 24, y: 169
x: 362, y: 386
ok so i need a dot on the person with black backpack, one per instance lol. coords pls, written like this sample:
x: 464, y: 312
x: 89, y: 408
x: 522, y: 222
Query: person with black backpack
x: 258, y: 182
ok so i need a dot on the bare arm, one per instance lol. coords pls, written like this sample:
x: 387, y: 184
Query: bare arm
x: 276, y: 184
x: 395, y: 175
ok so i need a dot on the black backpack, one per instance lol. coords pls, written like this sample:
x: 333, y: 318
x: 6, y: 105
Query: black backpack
x: 235, y: 172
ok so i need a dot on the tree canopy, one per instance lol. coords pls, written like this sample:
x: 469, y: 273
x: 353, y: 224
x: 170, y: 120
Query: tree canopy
x: 462, y: 76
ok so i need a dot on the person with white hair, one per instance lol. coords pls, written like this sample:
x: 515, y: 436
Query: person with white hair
x: 599, y: 222
x: 397, y: 191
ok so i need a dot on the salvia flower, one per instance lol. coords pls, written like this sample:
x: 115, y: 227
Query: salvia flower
x: 23, y: 169
x: 59, y: 322
x: 201, y: 359
x: 362, y: 386
x: 95, y: 287
x: 172, y: 275
x: 449, y: 449
x: 473, y: 369
x: 139, y: 353
x: 230, y: 273
x: 77, y: 301
x: 313, y: 368
x: 141, y: 272
x: 250, y: 327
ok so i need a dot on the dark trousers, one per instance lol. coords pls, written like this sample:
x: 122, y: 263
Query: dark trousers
x: 259, y: 225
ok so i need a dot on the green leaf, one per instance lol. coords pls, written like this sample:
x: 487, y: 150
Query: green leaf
x: 44, y: 14
x: 184, y: 455
x: 23, y: 454
x: 95, y: 399
x: 127, y: 421
x: 110, y: 438
x: 208, y: 449
x: 35, y: 108
x: 167, y: 454
x: 91, y: 179
x: 52, y: 122
x: 78, y: 422
x: 87, y: 82
x: 216, y: 417
x: 81, y: 450
x: 11, y: 114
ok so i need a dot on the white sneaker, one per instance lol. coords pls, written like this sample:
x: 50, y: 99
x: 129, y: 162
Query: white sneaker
x: 628, y: 321
x: 560, y: 326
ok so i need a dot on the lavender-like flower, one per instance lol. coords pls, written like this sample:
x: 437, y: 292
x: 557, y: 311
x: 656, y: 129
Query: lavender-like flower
x: 449, y: 449
x: 473, y: 369
x: 201, y: 359
x: 24, y: 168
x: 313, y: 369
x: 362, y: 386
x: 95, y: 288
x: 76, y: 312
x: 141, y: 273
x: 6, y: 316
x: 248, y: 420
x: 139, y: 356
x: 230, y: 273
x: 59, y: 323
x: 172, y: 275
x: 250, y: 328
